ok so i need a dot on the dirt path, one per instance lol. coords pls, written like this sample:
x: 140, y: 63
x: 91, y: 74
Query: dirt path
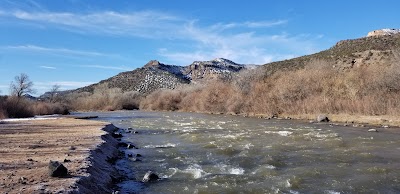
x: 26, y: 147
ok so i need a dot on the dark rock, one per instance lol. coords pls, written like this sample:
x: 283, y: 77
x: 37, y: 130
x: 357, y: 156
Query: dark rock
x: 322, y: 118
x: 122, y: 144
x: 56, y: 169
x: 116, y: 135
x: 130, y: 155
x: 130, y: 146
x: 22, y: 180
x: 138, y: 155
x: 150, y: 177
x: 30, y: 160
x: 72, y: 148
x: 66, y: 160
x: 112, y: 160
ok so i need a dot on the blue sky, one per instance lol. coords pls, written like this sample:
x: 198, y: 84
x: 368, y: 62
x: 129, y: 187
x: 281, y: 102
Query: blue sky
x: 75, y: 43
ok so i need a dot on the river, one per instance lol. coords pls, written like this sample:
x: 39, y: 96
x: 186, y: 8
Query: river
x: 201, y: 153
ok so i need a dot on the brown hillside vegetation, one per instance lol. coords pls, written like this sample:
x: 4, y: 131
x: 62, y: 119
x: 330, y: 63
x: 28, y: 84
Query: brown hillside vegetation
x: 354, y: 77
x: 318, y: 87
x: 14, y: 107
x: 103, y: 98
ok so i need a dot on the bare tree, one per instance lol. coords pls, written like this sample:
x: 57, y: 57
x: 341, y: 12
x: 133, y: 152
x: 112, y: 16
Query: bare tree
x: 55, y: 89
x: 21, y: 85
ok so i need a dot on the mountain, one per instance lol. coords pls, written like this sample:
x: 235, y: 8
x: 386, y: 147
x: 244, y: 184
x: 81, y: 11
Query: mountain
x: 156, y: 75
x: 208, y: 70
x: 379, y: 47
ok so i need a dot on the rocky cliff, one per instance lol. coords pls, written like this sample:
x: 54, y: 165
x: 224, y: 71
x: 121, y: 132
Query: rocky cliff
x: 383, y: 32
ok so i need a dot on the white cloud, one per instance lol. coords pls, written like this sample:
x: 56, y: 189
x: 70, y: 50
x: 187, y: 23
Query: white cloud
x: 47, y: 67
x: 244, y: 47
x: 142, y: 23
x: 123, y: 68
x: 238, y: 41
x: 35, y: 48
x: 248, y: 24
x: 43, y: 87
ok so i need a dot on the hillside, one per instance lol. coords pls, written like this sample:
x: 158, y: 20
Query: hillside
x: 156, y: 75
x: 371, y: 50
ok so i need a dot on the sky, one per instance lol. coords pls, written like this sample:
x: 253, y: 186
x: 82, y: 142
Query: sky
x: 75, y: 43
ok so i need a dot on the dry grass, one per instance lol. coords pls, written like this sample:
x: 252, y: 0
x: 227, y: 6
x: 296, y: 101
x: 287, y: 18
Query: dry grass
x: 104, y: 98
x: 317, y: 88
x: 14, y: 107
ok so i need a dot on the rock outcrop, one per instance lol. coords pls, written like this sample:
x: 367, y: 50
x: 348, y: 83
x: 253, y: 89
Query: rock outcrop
x: 215, y: 69
x: 156, y: 75
x: 383, y: 32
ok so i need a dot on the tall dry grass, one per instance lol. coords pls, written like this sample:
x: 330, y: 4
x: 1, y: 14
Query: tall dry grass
x: 105, y: 99
x: 318, y: 88
x: 19, y: 107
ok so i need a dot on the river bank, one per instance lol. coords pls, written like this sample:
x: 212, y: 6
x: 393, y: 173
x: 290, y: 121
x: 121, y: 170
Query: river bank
x: 84, y: 147
x: 357, y: 120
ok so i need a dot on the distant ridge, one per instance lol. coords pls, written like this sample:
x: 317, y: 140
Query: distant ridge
x: 156, y: 75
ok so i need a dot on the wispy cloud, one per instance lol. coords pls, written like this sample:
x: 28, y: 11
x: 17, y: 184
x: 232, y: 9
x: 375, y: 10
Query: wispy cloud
x: 106, y: 22
x: 35, y: 48
x: 47, y: 67
x: 248, y: 24
x: 123, y: 68
x: 238, y: 41
x: 43, y: 87
x: 243, y: 47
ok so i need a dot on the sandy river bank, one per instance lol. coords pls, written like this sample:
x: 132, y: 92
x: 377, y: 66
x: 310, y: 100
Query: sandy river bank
x: 83, y: 146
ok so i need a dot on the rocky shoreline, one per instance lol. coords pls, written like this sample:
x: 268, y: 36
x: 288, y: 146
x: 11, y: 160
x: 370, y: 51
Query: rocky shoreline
x: 102, y: 172
x: 86, y: 148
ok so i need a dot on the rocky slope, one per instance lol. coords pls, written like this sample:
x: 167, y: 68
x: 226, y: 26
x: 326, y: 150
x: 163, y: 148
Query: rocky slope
x: 156, y: 75
x: 370, y: 50
x: 208, y: 70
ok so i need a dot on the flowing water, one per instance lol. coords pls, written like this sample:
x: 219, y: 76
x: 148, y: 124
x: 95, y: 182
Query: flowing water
x: 199, y: 153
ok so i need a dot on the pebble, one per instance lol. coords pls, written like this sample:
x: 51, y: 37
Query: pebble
x: 372, y: 130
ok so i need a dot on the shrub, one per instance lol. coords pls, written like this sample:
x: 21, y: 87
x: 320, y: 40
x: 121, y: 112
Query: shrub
x: 18, y: 107
x: 319, y: 87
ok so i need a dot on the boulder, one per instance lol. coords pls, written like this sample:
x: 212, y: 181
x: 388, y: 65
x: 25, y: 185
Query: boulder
x: 116, y: 135
x: 322, y: 118
x: 150, y: 177
x: 56, y: 169
x: 122, y: 144
x: 130, y: 146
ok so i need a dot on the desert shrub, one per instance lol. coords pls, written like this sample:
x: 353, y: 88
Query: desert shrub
x: 45, y: 108
x: 18, y: 107
x: 130, y: 100
x: 104, y: 98
x: 3, y: 110
x: 319, y: 87
x: 167, y: 100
